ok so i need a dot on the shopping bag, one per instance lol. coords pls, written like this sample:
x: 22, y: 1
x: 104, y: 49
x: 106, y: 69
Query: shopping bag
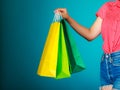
x: 63, y: 59
x: 48, y: 61
x: 76, y: 62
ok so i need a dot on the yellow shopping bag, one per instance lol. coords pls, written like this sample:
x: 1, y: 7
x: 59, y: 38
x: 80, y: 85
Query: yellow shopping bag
x: 48, y: 62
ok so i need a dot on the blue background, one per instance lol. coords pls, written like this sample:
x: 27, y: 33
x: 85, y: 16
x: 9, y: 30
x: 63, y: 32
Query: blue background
x: 24, y: 28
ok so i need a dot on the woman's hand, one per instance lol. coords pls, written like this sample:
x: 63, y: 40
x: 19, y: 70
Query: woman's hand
x: 63, y: 12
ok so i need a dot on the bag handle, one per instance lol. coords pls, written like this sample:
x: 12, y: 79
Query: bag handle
x: 57, y: 17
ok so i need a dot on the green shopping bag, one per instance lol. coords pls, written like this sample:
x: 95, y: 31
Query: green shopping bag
x: 76, y: 62
x: 63, y: 60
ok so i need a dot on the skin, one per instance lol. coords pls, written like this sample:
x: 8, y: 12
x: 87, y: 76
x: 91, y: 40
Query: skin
x: 88, y: 33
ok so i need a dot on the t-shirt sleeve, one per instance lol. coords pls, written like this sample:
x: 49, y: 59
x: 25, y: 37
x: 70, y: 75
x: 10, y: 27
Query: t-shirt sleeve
x: 102, y: 11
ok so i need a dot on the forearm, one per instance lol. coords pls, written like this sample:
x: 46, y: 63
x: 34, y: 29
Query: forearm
x: 89, y: 34
x: 83, y: 31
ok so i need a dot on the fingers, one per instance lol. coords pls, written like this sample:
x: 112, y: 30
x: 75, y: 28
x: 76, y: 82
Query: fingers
x: 60, y: 10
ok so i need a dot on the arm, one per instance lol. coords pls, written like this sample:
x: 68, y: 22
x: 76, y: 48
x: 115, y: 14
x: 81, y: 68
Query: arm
x: 88, y: 34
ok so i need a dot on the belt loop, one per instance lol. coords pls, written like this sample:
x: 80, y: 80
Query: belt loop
x: 110, y: 58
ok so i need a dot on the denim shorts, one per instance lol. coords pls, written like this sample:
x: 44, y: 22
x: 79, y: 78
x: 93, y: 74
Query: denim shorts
x: 110, y: 70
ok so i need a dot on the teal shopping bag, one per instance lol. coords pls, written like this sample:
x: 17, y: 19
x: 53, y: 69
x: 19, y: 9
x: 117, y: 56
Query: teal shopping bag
x: 75, y: 59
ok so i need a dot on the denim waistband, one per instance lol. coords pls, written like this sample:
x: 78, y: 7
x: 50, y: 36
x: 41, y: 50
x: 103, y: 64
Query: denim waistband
x: 113, y: 54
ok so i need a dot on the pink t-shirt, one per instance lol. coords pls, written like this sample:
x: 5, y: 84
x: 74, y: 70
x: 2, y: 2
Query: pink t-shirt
x: 110, y: 30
